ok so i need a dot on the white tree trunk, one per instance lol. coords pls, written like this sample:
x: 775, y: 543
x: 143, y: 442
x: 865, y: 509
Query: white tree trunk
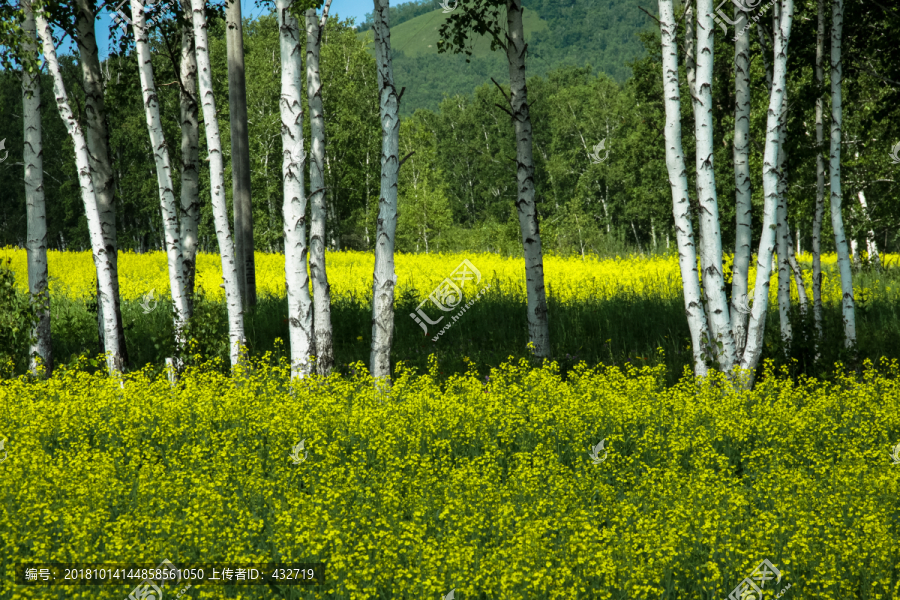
x: 710, y: 229
x: 756, y: 327
x: 684, y: 233
x: 36, y: 214
x: 538, y: 318
x: 300, y: 309
x: 168, y: 207
x: 217, y: 187
x: 384, y: 278
x: 848, y: 303
x: 102, y: 258
x: 782, y: 231
x: 743, y: 209
x: 96, y: 132
x: 190, y: 156
x: 321, y: 287
x: 871, y: 245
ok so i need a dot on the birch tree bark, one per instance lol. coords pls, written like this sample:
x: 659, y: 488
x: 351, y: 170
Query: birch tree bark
x: 300, y: 308
x: 321, y: 288
x: 240, y: 154
x: 848, y: 304
x: 871, y: 245
x: 820, y: 173
x: 538, y: 321
x: 167, y: 204
x: 97, y: 134
x: 756, y: 327
x: 384, y: 278
x: 684, y: 233
x: 36, y: 214
x: 102, y: 255
x: 710, y: 230
x: 743, y: 208
x: 217, y: 187
x: 190, y: 156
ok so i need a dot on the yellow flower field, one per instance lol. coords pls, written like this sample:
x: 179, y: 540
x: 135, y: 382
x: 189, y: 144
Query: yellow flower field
x: 350, y: 274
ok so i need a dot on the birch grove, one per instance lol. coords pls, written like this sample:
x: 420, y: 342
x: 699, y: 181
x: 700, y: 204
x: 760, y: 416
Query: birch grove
x: 713, y: 333
x: 837, y: 220
x: 101, y: 252
x: 32, y: 155
x: 384, y: 278
x: 321, y: 288
x: 167, y: 204
x: 300, y: 308
x: 217, y: 187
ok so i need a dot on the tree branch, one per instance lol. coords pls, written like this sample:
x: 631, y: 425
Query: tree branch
x: 404, y: 159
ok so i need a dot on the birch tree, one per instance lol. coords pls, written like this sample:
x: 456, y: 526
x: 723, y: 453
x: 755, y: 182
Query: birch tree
x: 756, y: 327
x: 743, y: 207
x: 190, y: 155
x: 217, y: 189
x: 321, y: 288
x: 167, y: 204
x: 684, y: 232
x: 710, y: 230
x: 820, y: 172
x: 36, y: 217
x: 102, y: 254
x: 300, y: 308
x: 96, y: 132
x: 483, y: 17
x: 240, y: 153
x: 837, y: 220
x: 384, y: 278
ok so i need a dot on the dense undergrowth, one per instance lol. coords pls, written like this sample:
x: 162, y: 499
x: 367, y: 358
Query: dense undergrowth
x: 482, y: 486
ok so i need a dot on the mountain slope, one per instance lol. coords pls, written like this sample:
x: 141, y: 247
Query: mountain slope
x: 601, y: 33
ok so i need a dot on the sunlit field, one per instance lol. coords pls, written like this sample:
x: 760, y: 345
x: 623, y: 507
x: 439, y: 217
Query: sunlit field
x: 617, y: 311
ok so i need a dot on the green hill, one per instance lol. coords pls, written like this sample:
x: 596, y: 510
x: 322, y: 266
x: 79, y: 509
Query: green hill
x: 601, y: 33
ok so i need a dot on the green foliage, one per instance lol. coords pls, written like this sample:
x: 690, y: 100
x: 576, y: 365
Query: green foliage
x: 18, y: 314
x: 698, y: 484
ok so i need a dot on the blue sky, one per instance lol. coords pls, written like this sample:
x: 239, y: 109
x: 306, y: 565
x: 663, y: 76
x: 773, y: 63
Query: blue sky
x: 341, y: 8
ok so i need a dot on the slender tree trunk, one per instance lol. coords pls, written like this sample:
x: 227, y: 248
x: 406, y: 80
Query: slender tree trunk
x: 97, y: 134
x: 217, y: 188
x: 783, y: 232
x: 36, y: 213
x: 168, y: 206
x: 240, y: 154
x: 102, y: 255
x: 710, y: 229
x: 190, y: 157
x: 871, y: 245
x: 743, y: 208
x: 684, y: 231
x: 797, y: 272
x: 300, y: 308
x: 538, y: 318
x: 756, y: 327
x: 837, y: 220
x: 321, y: 288
x: 384, y: 278
x: 820, y: 174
